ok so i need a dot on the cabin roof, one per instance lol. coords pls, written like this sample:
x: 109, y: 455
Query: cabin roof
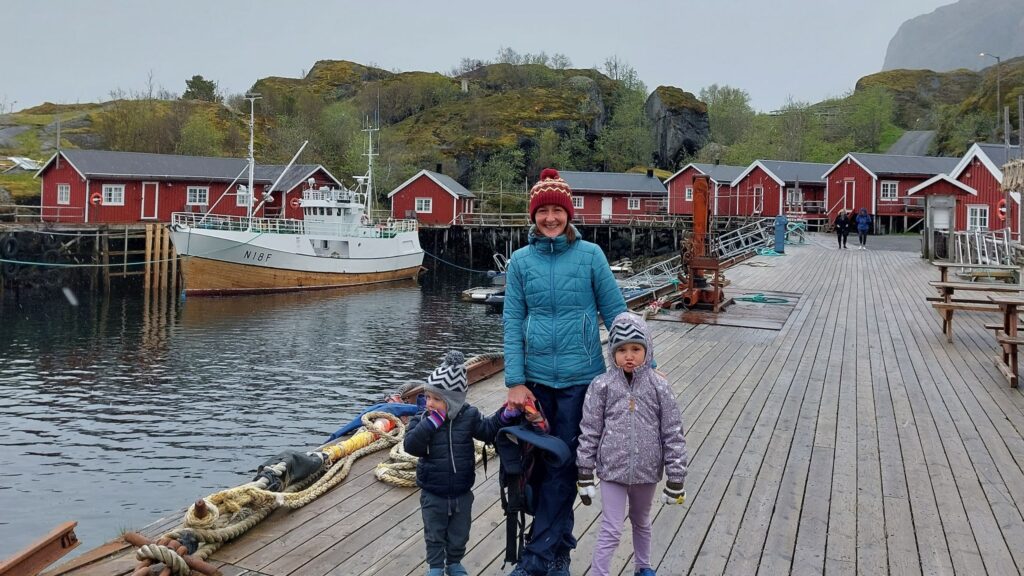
x: 620, y: 182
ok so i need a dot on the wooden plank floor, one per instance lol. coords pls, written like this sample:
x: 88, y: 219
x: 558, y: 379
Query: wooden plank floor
x: 854, y: 440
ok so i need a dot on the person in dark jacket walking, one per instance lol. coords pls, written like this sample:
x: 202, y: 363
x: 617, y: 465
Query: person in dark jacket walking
x: 863, y: 221
x: 554, y: 290
x: 442, y: 437
x: 843, y: 223
x: 631, y: 432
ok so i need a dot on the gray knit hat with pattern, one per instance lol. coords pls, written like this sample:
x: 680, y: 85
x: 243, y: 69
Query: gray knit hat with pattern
x: 449, y: 381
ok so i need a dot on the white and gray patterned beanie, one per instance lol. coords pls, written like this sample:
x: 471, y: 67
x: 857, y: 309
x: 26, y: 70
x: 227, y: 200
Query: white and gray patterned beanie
x: 449, y: 381
x: 626, y: 330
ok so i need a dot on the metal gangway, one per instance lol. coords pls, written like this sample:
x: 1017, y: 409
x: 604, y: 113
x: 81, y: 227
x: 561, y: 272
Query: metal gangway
x: 990, y: 247
x: 658, y: 275
x: 743, y: 240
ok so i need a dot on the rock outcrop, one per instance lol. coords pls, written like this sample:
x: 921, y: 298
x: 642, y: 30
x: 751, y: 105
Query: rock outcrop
x: 680, y: 124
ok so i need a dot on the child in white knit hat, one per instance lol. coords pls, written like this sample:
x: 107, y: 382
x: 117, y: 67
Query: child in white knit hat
x: 442, y: 437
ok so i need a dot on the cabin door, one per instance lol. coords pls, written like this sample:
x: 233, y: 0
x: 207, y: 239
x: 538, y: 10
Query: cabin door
x: 150, y: 200
x: 606, y: 209
x: 849, y: 193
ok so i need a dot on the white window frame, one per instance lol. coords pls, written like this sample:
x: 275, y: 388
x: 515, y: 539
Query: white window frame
x: 424, y: 205
x: 688, y: 194
x: 632, y: 204
x: 64, y: 194
x: 976, y: 212
x: 758, y: 206
x: 577, y: 202
x: 240, y: 199
x: 113, y: 194
x: 884, y: 196
x: 200, y: 193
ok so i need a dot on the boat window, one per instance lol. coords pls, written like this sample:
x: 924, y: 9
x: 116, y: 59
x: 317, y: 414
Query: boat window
x: 325, y: 244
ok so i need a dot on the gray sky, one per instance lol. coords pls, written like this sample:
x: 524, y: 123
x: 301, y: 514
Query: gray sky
x: 69, y: 51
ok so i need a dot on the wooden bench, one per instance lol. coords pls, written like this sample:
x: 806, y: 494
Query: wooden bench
x: 1007, y: 336
x: 977, y: 271
x: 945, y: 304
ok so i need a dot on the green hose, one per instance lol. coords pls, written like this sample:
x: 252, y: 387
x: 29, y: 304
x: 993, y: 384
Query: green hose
x: 762, y: 299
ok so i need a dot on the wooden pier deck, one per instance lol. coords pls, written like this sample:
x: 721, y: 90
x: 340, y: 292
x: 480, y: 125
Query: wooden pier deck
x: 855, y: 440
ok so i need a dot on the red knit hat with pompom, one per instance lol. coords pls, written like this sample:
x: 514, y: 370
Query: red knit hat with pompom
x: 550, y: 189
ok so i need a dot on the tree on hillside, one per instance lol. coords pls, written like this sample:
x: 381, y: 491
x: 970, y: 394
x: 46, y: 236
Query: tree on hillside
x: 627, y: 139
x: 729, y: 112
x: 866, y: 115
x: 199, y: 88
x: 619, y: 70
x: 199, y: 137
x: 956, y: 131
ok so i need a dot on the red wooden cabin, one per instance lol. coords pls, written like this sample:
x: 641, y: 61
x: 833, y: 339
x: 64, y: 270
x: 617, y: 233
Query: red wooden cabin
x: 432, y: 198
x: 772, y: 187
x: 680, y: 186
x: 981, y: 169
x: 881, y: 183
x: 616, y: 197
x: 100, y: 186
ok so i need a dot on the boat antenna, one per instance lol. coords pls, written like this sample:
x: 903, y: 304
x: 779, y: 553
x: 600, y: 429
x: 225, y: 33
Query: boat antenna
x: 252, y: 97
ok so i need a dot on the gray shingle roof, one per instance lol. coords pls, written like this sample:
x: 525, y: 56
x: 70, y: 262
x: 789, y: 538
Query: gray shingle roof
x: 142, y: 165
x: 896, y: 165
x: 93, y: 163
x: 613, y: 182
x: 997, y: 152
x: 721, y: 173
x: 450, y: 183
x: 804, y: 172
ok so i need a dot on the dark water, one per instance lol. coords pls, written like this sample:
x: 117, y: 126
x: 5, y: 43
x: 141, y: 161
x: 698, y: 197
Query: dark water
x: 114, y: 413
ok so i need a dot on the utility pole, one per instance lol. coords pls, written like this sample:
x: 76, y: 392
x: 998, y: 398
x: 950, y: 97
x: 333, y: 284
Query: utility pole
x: 999, y: 93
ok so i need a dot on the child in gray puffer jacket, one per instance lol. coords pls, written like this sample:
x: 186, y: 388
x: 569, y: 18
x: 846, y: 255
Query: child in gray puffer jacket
x: 632, y: 432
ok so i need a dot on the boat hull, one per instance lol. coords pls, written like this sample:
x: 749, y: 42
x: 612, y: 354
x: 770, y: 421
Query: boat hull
x: 218, y: 262
x: 206, y: 277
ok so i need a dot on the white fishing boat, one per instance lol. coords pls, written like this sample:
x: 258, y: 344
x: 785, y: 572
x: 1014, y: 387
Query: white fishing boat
x: 335, y: 244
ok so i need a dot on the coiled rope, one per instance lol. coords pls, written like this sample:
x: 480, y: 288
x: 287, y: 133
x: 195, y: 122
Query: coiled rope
x: 400, y: 467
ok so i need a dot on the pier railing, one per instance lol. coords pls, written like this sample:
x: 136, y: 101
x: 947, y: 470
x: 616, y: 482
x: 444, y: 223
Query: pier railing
x: 386, y: 228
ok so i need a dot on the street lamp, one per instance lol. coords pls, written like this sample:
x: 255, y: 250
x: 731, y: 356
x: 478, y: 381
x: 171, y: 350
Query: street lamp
x: 999, y: 98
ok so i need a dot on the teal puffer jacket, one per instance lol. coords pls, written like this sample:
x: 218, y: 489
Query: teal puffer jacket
x: 553, y: 293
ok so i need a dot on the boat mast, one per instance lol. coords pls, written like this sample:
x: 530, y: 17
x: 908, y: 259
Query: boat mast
x: 252, y: 98
x: 370, y: 129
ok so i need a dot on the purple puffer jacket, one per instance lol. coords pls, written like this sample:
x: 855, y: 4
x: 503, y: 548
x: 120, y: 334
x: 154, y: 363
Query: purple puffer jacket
x: 631, y: 432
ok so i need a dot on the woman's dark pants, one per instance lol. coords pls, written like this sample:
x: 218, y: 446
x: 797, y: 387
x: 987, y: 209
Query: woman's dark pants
x: 551, y: 533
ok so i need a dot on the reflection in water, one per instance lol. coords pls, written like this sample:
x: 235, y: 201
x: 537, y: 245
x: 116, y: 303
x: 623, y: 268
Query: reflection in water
x: 118, y: 411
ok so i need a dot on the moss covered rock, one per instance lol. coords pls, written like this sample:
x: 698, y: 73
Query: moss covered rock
x: 681, y: 126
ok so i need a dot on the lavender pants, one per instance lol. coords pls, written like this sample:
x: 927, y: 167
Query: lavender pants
x: 614, y: 498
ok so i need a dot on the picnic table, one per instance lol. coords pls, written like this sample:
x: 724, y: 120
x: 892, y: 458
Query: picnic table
x: 1007, y: 337
x: 945, y: 303
x: 1005, y: 271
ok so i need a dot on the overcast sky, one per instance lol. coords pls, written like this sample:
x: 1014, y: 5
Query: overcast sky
x: 69, y: 51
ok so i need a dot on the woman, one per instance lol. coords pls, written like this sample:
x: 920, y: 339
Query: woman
x: 863, y: 221
x: 555, y: 288
x: 842, y: 228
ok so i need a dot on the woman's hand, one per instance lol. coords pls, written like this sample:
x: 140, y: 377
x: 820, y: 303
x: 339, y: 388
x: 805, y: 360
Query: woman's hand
x: 518, y: 396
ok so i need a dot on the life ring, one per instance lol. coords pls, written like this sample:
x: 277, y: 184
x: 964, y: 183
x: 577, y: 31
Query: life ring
x: 96, y: 198
x: 1001, y: 209
x: 295, y: 203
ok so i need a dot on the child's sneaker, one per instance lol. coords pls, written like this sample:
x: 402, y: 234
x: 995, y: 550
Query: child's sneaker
x: 456, y: 569
x: 645, y: 572
x: 435, y: 572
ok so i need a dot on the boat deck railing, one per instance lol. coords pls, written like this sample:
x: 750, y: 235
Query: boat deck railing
x: 385, y: 229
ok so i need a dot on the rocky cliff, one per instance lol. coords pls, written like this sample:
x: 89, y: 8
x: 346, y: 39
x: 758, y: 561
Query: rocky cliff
x: 680, y: 123
x: 952, y: 36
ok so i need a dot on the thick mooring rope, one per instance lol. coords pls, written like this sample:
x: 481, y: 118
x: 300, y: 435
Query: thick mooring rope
x: 230, y: 513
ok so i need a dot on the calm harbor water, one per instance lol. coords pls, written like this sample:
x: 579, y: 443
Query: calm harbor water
x: 116, y: 412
